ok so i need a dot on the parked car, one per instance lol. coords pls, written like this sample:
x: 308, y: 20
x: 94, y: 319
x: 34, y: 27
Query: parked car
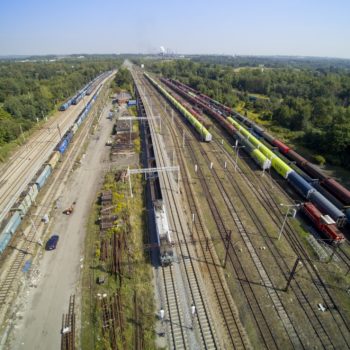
x: 52, y: 242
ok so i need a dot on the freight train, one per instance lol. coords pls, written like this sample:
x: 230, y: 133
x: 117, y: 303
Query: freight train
x: 223, y: 113
x: 332, y: 186
x: 329, y: 187
x: 200, y: 128
x: 262, y: 161
x: 86, y: 90
x: 28, y: 196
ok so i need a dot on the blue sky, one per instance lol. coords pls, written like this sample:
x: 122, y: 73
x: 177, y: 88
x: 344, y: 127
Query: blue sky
x: 255, y: 27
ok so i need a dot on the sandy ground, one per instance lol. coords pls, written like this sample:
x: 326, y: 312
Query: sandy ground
x: 40, y: 309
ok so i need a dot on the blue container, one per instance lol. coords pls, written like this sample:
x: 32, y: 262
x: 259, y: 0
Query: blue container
x: 326, y: 207
x: 64, y: 107
x: 5, y: 238
x: 9, y: 230
x: 77, y: 99
x: 14, y: 222
x: 42, y: 178
x: 62, y: 146
x: 68, y: 136
x: 251, y: 130
x: 328, y: 196
x: 301, y: 185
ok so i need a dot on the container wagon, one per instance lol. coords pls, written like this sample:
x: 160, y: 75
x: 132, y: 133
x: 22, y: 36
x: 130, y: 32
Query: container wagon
x: 202, y: 131
x: 9, y: 229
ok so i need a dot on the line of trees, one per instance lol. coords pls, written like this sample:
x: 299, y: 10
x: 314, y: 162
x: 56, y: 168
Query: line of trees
x: 313, y: 102
x: 123, y: 80
x: 32, y: 90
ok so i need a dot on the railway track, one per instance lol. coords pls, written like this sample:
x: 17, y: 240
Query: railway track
x: 32, y: 155
x: 321, y: 330
x: 206, y: 332
x: 25, y: 246
x: 68, y: 327
x: 173, y: 318
x: 261, y: 322
x: 266, y: 331
x: 235, y: 332
x: 313, y: 318
x: 178, y: 338
x: 138, y: 328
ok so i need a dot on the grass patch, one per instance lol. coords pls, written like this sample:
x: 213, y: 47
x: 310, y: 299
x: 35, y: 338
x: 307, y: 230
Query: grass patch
x: 133, y: 275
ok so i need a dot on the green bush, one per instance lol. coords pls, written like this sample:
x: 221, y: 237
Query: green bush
x: 320, y: 160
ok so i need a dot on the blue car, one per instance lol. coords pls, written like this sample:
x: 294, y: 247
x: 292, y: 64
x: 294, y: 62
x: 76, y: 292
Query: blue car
x: 52, y: 242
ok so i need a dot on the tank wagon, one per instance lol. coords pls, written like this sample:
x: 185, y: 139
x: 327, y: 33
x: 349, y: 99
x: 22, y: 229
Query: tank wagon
x: 263, y: 162
x: 164, y: 239
x: 200, y: 128
x: 258, y: 157
x: 330, y: 184
x: 331, y: 189
x: 27, y: 197
x: 282, y: 168
x: 304, y: 188
x: 336, y: 189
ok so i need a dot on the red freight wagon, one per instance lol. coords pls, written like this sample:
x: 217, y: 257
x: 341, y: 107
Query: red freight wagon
x: 323, y: 223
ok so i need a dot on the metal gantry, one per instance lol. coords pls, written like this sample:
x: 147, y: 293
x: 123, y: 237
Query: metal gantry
x: 150, y: 171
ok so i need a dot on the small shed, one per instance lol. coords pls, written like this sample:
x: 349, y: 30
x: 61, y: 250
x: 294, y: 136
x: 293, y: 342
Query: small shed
x: 123, y: 97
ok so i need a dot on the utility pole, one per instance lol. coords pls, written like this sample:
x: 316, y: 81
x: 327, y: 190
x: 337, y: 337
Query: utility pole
x: 130, y: 131
x: 292, y: 274
x: 237, y: 151
x: 228, y: 238
x: 282, y: 227
x: 192, y: 223
x: 285, y: 217
x: 331, y: 256
x: 59, y: 131
x: 193, y: 314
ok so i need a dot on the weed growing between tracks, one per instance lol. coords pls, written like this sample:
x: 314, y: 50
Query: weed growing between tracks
x: 120, y: 311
